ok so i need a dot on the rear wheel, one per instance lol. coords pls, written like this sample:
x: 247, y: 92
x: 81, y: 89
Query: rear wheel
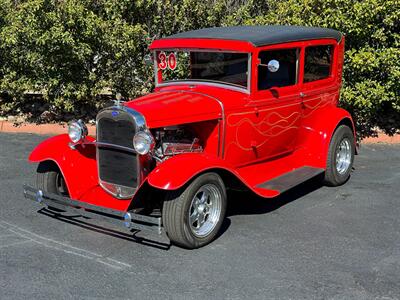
x: 340, y: 156
x: 193, y: 215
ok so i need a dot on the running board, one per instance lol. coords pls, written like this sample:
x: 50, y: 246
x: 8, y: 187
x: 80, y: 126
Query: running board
x: 291, y: 179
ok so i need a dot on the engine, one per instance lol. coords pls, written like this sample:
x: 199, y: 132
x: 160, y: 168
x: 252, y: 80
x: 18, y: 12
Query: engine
x: 175, y: 140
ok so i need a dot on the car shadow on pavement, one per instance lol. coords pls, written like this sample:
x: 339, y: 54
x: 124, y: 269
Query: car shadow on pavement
x: 247, y: 203
x: 240, y: 203
x: 78, y: 220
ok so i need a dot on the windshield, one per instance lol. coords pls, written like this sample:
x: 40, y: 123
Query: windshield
x: 211, y: 66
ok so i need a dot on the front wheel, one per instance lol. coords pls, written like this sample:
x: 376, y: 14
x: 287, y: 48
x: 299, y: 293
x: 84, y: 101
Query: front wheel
x: 50, y: 179
x: 340, y: 156
x: 193, y: 215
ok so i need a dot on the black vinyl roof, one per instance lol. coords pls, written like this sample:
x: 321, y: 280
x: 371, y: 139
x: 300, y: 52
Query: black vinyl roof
x: 261, y: 35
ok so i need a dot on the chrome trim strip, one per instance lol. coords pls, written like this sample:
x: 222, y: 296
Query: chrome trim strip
x: 246, y: 89
x: 249, y: 72
x: 155, y: 68
x: 112, y: 146
x: 219, y: 138
x: 138, y: 117
x: 103, y: 184
x: 298, y: 51
x: 214, y: 84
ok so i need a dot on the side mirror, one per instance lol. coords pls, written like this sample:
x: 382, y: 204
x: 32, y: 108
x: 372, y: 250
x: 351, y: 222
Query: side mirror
x: 273, y: 65
x: 148, y: 60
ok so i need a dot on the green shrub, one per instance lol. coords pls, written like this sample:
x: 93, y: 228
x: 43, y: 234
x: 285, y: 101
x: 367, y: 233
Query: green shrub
x: 71, y: 50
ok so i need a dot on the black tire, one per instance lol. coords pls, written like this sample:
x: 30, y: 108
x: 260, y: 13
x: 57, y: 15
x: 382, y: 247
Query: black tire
x: 177, y: 205
x: 50, y: 179
x: 343, y: 134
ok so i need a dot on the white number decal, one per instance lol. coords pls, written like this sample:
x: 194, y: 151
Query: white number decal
x: 165, y: 61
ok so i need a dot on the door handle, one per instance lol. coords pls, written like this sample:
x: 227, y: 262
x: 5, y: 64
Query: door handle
x: 302, y: 95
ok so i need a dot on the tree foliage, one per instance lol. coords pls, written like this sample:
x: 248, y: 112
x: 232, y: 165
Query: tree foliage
x: 68, y: 50
x: 71, y: 50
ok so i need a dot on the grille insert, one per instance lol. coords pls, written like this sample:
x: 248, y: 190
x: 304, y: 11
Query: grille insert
x: 117, y: 167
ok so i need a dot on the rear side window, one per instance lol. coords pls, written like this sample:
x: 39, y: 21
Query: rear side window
x: 318, y: 62
x: 286, y: 75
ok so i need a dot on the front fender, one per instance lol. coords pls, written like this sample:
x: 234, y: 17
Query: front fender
x: 78, y: 166
x: 79, y: 169
x: 178, y: 170
x: 317, y: 131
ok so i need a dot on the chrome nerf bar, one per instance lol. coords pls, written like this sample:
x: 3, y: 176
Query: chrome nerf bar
x: 129, y: 220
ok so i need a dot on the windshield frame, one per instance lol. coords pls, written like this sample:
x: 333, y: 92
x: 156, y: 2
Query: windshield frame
x: 213, y: 83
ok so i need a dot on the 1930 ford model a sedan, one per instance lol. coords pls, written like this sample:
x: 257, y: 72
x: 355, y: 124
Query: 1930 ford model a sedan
x: 254, y: 107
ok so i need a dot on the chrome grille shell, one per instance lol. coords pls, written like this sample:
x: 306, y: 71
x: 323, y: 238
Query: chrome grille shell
x: 119, y: 166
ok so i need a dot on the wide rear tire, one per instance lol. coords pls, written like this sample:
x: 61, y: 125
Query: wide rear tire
x: 340, y: 156
x: 192, y: 216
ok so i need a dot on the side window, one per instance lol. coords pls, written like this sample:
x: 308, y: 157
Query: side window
x: 318, y: 62
x: 285, y: 71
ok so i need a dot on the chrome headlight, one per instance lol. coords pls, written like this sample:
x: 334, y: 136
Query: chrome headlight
x: 143, y: 142
x: 77, y: 131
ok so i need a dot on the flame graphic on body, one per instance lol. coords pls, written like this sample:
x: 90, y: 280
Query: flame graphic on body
x: 324, y: 100
x: 272, y: 125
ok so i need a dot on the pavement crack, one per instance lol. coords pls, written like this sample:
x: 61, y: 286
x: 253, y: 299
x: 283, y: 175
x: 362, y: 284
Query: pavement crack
x: 15, y: 244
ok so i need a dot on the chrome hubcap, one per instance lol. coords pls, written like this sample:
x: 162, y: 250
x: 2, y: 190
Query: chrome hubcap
x: 343, y: 156
x: 205, y: 210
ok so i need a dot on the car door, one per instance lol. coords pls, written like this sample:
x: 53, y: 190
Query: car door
x: 320, y: 85
x: 277, y: 103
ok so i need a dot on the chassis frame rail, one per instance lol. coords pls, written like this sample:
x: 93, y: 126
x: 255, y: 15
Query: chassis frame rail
x: 128, y: 220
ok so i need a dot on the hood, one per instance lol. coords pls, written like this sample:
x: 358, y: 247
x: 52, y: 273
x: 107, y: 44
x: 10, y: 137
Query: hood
x: 167, y: 108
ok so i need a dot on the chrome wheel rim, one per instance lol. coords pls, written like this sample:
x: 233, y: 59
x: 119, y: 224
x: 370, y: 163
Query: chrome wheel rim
x: 343, y: 156
x: 205, y: 210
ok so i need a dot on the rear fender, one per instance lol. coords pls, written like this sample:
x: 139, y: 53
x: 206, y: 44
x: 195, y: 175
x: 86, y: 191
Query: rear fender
x: 317, y: 131
x: 78, y: 166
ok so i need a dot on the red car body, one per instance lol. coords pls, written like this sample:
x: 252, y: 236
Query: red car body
x: 249, y: 134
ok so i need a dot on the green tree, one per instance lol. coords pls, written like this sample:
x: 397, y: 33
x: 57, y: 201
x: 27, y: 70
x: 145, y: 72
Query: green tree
x: 67, y: 50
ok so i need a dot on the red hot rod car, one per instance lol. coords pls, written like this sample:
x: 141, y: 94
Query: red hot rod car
x: 245, y: 106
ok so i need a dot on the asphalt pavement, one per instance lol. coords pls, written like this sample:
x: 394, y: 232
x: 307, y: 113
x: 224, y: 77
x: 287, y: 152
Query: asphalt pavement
x: 313, y: 242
